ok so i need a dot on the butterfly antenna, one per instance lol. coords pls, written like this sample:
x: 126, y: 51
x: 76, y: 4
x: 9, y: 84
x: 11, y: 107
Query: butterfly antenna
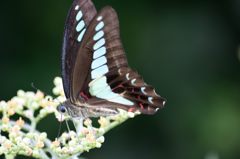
x: 75, y: 126
x: 60, y: 126
x: 33, y: 86
x: 36, y: 89
x: 78, y: 124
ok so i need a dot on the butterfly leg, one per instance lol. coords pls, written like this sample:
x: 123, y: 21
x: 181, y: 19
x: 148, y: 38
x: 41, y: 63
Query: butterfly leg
x: 78, y: 124
x: 67, y: 126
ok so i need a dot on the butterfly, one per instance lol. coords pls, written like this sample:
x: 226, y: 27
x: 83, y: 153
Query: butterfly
x: 97, y: 80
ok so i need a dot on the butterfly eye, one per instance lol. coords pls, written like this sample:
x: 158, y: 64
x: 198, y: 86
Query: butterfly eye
x: 62, y: 109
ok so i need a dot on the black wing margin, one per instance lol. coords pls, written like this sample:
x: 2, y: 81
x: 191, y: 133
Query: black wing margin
x: 79, y: 16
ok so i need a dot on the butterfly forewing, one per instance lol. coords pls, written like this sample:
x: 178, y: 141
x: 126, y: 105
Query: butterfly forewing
x: 80, y: 15
x: 100, y: 52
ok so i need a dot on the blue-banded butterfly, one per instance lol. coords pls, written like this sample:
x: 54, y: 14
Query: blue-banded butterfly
x: 97, y: 80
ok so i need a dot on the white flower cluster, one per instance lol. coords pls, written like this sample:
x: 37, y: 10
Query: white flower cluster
x: 20, y: 137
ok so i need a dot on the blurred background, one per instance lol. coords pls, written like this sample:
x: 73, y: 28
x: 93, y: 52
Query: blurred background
x: 188, y: 50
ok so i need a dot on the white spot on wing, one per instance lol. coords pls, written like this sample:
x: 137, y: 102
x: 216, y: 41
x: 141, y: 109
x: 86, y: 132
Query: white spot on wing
x: 80, y: 26
x: 98, y: 72
x: 150, y: 99
x: 99, y: 43
x: 99, y: 26
x: 127, y: 76
x: 99, y: 52
x: 98, y: 35
x: 99, y: 18
x: 164, y: 102
x: 101, y: 89
x: 79, y: 15
x: 120, y: 99
x: 155, y: 93
x: 133, y: 80
x: 143, y: 90
x: 77, y: 7
x: 79, y: 39
x: 99, y: 62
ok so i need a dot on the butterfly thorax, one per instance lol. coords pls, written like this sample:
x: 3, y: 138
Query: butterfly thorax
x: 84, y: 110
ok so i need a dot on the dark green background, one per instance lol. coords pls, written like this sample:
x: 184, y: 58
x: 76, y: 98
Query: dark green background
x: 188, y: 50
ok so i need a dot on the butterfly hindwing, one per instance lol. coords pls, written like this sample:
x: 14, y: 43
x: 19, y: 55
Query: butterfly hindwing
x: 132, y: 87
x: 80, y: 15
x: 133, y: 93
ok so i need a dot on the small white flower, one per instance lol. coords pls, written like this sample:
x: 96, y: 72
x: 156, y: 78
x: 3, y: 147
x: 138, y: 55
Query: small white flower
x: 58, y: 150
x: 103, y: 121
x: 3, y: 105
x: 28, y: 113
x: 72, y: 143
x: 7, y: 144
x: 2, y: 139
x: 36, y: 153
x: 72, y: 134
x: 71, y: 149
x: 88, y: 122
x: 65, y: 150
x: 14, y: 132
x: 19, y: 101
x: 34, y: 105
x: 18, y: 139
x: 30, y: 135
x: 57, y: 81
x: 60, y: 117
x: 65, y: 136
x: 131, y: 115
x: 59, y: 99
x: 29, y: 95
x: 2, y: 150
x: 5, y: 127
x: 25, y: 140
x: 39, y: 144
x: 101, y: 130
x: 79, y: 147
x: 57, y: 91
x: 43, y: 112
x: 43, y: 136
x: 101, y: 139
x: 20, y: 93
x: 48, y: 98
x: 98, y: 145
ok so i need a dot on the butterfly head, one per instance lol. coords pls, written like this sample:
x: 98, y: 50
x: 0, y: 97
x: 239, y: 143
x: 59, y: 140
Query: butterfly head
x: 62, y: 108
x: 65, y: 108
x: 73, y: 110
